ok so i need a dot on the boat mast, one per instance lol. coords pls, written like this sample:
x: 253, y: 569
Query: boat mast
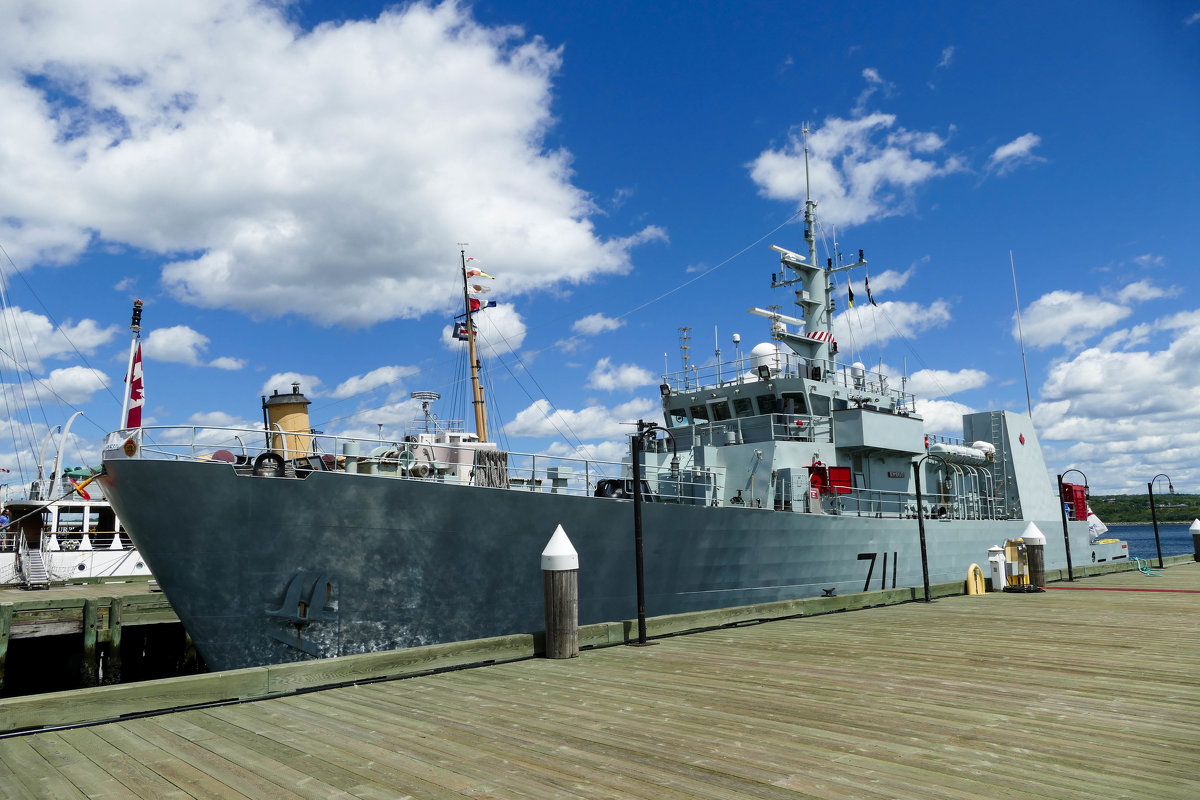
x: 818, y: 286
x: 135, y: 328
x: 476, y: 389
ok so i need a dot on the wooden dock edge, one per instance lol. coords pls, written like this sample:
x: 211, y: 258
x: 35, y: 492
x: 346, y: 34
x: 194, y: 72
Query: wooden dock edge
x: 99, y: 704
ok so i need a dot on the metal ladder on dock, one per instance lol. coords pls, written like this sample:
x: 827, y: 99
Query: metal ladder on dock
x: 33, y: 569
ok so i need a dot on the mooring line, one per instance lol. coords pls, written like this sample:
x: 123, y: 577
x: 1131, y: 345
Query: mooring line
x: 1107, y: 589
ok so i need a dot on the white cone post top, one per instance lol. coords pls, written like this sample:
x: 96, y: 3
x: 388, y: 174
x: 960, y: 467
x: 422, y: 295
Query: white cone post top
x: 1195, y: 528
x: 559, y: 554
x: 1033, y: 535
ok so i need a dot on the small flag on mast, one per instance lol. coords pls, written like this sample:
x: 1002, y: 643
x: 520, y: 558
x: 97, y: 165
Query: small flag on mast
x: 137, y: 394
x: 850, y: 293
x: 867, y: 283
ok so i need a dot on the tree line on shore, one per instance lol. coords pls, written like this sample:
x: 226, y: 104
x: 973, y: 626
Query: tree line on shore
x: 1135, y: 508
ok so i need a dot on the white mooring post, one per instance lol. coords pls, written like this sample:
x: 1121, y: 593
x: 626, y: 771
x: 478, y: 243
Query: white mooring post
x: 560, y: 579
x: 1035, y: 546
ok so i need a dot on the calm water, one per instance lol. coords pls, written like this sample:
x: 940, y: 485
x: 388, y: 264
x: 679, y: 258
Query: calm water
x: 1176, y: 539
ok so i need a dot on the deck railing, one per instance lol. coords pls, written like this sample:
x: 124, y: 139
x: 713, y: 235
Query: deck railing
x: 427, y: 461
x: 787, y: 365
x: 672, y: 480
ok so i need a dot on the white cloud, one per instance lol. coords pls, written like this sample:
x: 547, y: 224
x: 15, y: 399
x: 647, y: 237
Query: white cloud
x: 940, y: 382
x: 294, y: 163
x: 1063, y: 318
x: 623, y: 376
x: 947, y: 57
x: 1138, y: 291
x: 875, y: 83
x: 593, y: 324
x: 1016, y: 153
x: 71, y: 385
x: 381, y: 376
x: 591, y: 422
x: 890, y: 279
x: 1193, y: 19
x: 877, y: 325
x: 36, y: 338
x: 227, y: 363
x: 219, y: 419
x: 861, y: 169
x: 942, y: 416
x: 182, y: 345
x: 1129, y: 414
x: 610, y: 451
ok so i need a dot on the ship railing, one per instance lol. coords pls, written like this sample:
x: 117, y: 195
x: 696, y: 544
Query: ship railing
x: 801, y: 427
x: 434, y: 462
x: 958, y: 504
x: 760, y: 428
x: 937, y: 438
x: 790, y: 365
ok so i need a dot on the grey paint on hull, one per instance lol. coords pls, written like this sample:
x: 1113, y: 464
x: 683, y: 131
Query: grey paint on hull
x: 376, y: 563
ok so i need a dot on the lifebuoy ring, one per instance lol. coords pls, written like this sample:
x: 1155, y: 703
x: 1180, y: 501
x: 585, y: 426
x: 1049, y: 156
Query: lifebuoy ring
x: 269, y: 465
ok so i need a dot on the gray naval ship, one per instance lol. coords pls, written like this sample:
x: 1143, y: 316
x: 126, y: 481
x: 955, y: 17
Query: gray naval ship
x: 783, y: 475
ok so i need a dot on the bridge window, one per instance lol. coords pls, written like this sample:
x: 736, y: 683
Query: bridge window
x: 699, y: 414
x: 820, y: 405
x: 767, y: 404
x: 743, y: 407
x: 794, y: 403
x: 677, y: 417
x: 720, y: 410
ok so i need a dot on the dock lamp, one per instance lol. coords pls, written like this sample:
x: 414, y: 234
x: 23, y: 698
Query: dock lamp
x: 644, y: 429
x: 1154, y: 514
x: 1062, y: 507
x: 921, y: 521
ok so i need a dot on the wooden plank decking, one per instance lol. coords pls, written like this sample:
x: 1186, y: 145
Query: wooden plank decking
x: 1074, y: 693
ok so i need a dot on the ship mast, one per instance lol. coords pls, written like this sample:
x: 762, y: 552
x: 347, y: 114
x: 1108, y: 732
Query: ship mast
x: 815, y: 297
x: 476, y: 388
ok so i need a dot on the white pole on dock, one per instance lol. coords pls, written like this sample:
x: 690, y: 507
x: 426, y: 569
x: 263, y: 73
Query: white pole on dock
x: 1035, y: 546
x: 560, y: 580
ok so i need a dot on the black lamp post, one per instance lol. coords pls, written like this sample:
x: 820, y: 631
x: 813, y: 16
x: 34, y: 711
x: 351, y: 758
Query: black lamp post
x: 644, y: 429
x: 1154, y: 514
x: 1062, y: 507
x: 921, y: 522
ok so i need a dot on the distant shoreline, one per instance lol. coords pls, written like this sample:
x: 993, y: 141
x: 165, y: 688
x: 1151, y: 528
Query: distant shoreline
x: 1147, y: 522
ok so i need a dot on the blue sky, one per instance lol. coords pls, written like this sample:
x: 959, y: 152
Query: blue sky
x: 284, y: 184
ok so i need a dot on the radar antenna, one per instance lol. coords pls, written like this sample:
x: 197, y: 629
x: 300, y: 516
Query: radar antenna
x: 426, y: 399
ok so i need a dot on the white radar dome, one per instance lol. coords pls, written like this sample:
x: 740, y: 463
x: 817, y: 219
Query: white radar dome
x: 765, y: 354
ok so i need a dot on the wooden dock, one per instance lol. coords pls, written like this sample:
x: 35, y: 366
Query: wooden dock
x: 99, y: 611
x: 1091, y: 689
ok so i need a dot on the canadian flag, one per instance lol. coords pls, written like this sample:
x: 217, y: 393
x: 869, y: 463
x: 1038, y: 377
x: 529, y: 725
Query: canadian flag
x: 137, y: 394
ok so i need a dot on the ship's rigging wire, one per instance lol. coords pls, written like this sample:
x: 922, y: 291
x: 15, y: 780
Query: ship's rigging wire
x: 18, y: 353
x: 578, y: 443
x: 881, y: 311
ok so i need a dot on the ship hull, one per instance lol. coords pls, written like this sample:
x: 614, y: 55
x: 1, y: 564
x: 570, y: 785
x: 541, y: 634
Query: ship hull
x: 265, y: 570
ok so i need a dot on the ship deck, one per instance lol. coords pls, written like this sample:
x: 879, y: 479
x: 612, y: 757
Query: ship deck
x: 1089, y: 690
